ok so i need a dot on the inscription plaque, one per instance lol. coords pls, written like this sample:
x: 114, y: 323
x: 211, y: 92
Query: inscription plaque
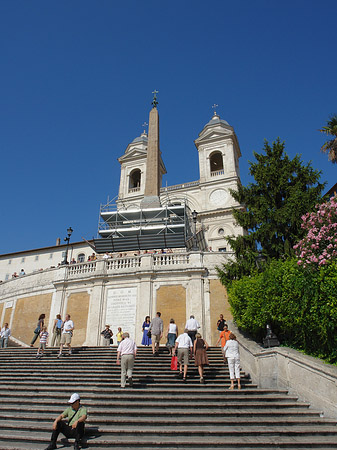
x: 121, y: 310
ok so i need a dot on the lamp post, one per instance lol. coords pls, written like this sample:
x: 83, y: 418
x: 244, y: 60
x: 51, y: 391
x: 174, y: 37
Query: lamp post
x: 259, y: 260
x: 194, y: 218
x: 67, y: 239
x: 271, y: 339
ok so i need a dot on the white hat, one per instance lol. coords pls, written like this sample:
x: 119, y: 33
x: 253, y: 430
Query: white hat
x: 74, y: 398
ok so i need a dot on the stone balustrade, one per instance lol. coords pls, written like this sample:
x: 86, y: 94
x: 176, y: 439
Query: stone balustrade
x: 150, y: 261
x: 216, y: 173
x: 86, y: 267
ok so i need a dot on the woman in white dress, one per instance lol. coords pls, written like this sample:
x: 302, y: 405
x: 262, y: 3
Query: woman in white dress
x: 231, y: 351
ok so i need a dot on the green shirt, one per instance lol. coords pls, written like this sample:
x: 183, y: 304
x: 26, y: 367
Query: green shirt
x: 69, y: 412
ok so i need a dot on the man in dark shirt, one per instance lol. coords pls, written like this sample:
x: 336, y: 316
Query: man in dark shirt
x: 221, y: 323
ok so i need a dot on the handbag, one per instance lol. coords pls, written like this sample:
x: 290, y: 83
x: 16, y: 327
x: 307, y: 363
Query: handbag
x: 37, y: 330
x: 174, y: 363
x: 148, y: 334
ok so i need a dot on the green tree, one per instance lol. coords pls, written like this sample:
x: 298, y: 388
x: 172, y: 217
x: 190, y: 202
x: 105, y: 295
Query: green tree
x: 299, y: 303
x: 330, y: 146
x: 283, y: 191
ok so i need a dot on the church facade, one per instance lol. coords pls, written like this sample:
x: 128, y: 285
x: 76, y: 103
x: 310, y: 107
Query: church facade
x: 121, y: 289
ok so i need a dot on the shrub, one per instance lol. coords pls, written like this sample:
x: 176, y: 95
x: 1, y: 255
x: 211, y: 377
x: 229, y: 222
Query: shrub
x: 299, y: 303
x: 319, y: 246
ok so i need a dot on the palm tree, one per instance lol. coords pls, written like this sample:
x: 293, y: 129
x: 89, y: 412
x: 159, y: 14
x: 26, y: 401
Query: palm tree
x: 331, y: 145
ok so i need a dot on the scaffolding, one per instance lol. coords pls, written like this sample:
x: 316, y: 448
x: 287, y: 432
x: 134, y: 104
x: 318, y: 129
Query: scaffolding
x: 122, y: 230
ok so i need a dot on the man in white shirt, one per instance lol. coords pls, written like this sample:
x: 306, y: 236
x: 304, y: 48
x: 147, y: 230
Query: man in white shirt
x: 183, y: 346
x: 192, y: 326
x: 67, y: 334
x: 126, y: 353
x: 4, y: 335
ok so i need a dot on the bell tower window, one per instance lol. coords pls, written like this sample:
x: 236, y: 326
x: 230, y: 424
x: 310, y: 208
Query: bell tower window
x: 216, y: 164
x: 134, y: 180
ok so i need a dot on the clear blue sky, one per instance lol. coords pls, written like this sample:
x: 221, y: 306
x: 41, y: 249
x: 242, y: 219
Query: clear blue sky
x: 77, y: 76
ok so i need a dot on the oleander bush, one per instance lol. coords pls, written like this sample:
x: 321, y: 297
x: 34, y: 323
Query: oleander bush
x: 299, y: 302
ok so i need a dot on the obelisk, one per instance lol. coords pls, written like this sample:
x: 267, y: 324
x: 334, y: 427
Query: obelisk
x: 152, y: 188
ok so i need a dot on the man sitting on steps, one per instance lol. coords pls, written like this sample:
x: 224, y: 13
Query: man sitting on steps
x: 76, y: 415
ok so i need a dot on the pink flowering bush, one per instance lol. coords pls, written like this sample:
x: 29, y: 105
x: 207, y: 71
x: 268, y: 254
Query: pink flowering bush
x: 319, y: 246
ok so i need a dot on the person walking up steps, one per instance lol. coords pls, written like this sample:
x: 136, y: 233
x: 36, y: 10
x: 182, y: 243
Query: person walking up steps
x: 67, y: 333
x: 224, y: 337
x: 156, y: 328
x: 192, y: 326
x: 38, y: 329
x: 200, y: 355
x: 126, y: 353
x: 231, y: 350
x: 43, y: 342
x: 183, y: 346
x: 57, y: 331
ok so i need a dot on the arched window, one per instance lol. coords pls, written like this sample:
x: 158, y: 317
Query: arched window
x: 81, y: 258
x: 134, y: 180
x: 216, y: 164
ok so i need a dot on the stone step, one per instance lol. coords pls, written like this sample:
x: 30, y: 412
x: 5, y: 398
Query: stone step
x: 166, y: 398
x: 160, y: 412
x: 266, y: 413
x: 151, y: 430
x: 160, y: 378
x: 205, y: 406
x: 170, y: 420
x: 139, y: 389
x: 35, y: 440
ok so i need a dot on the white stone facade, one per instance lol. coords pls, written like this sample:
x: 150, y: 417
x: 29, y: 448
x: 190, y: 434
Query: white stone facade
x: 217, y: 146
x: 179, y: 283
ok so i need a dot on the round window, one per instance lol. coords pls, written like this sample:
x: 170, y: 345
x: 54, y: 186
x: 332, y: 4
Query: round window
x: 221, y: 231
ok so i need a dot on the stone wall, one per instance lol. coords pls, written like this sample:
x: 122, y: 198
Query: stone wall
x: 309, y: 378
x: 26, y: 314
x: 219, y: 305
x: 177, y: 284
x: 78, y: 307
x: 171, y: 302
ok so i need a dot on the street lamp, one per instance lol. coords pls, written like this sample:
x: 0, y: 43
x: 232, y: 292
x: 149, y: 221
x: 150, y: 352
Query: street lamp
x: 271, y: 339
x: 260, y: 260
x: 67, y: 239
x: 194, y: 218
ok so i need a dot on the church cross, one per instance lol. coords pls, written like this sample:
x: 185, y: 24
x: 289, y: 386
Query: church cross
x: 154, y: 101
x: 214, y: 106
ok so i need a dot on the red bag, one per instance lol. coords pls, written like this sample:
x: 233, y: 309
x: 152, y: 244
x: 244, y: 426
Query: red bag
x: 174, y: 363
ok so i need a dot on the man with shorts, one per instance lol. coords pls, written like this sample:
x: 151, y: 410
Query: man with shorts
x: 183, y: 346
x: 156, y: 328
x: 67, y: 333
x: 76, y: 415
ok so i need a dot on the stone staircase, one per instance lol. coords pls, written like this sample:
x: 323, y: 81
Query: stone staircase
x: 160, y: 412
